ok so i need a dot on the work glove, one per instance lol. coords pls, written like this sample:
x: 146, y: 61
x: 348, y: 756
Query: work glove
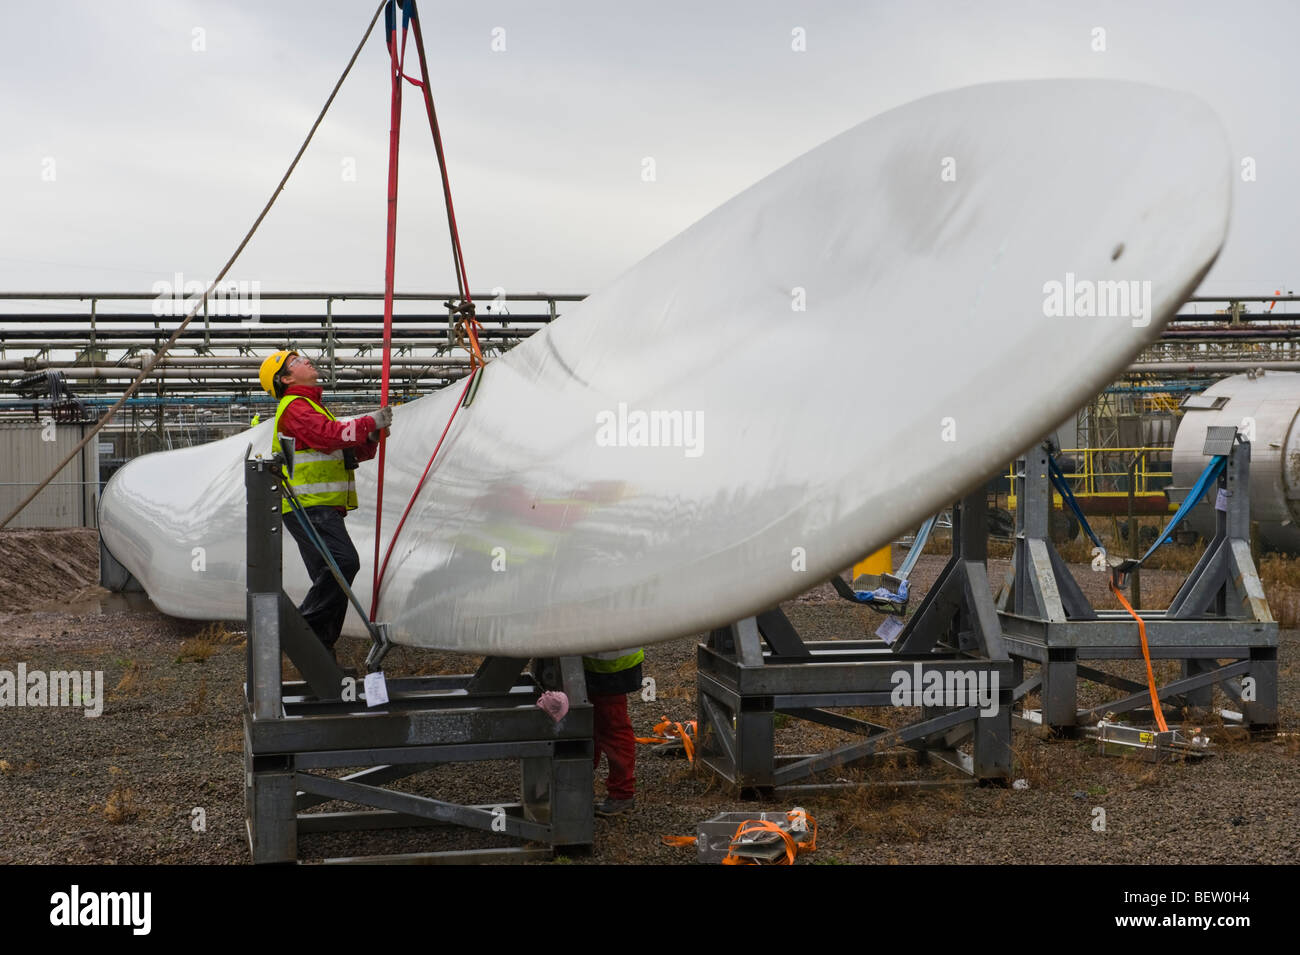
x: 352, y: 426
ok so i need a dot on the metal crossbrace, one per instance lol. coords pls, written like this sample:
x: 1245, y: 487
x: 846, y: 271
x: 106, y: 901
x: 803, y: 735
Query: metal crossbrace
x: 1176, y: 688
x: 424, y: 807
x: 851, y: 752
x: 462, y: 857
x: 1023, y: 689
x: 1109, y: 679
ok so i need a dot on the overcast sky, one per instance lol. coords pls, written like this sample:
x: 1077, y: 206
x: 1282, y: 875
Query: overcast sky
x: 139, y: 138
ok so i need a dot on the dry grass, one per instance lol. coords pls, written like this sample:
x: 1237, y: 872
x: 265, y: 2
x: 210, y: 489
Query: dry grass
x: 132, y: 682
x: 1175, y: 557
x: 1159, y: 593
x: 1290, y: 743
x: 940, y: 542
x: 120, y: 806
x: 1280, y: 576
x: 1224, y: 737
x: 1285, y: 605
x: 195, y: 650
x: 1139, y: 772
x: 685, y: 671
x: 1029, y: 760
x: 1280, y: 569
x: 1001, y: 549
x: 1077, y: 551
x: 200, y: 698
x: 880, y: 813
x: 206, y: 642
x: 675, y: 693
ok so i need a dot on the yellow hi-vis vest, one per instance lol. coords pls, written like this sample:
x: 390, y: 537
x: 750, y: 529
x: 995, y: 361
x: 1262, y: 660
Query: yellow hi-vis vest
x: 613, y: 661
x: 319, y: 477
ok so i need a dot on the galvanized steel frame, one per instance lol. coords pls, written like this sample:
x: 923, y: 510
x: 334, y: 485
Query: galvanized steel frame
x: 741, y: 686
x: 1219, y: 614
x: 294, y: 732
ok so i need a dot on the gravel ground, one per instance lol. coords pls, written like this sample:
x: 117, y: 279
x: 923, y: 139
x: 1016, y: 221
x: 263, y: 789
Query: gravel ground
x: 125, y: 787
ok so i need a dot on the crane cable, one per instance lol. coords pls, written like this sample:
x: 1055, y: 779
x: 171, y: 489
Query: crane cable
x: 148, y: 369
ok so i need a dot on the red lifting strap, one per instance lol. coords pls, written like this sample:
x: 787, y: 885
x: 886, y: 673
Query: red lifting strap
x: 374, y: 600
x: 397, y: 69
x: 396, y: 63
x: 458, y: 257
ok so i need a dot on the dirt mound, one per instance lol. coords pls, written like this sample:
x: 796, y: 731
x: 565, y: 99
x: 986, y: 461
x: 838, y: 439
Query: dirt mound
x: 38, y: 566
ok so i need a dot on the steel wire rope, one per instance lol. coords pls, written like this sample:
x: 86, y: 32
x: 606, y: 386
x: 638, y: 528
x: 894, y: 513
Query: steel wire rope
x: 148, y: 369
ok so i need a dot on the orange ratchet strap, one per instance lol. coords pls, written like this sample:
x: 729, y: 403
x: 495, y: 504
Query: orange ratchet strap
x: 1146, y: 656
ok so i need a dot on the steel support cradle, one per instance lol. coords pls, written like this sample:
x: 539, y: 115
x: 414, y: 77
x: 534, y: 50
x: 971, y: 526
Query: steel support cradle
x: 297, y: 735
x: 952, y: 641
x: 1218, y: 626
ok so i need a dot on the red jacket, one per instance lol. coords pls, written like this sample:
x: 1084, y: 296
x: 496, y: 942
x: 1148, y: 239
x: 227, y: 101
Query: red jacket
x: 311, y: 429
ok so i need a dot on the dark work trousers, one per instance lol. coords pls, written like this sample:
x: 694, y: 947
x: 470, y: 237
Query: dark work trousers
x: 614, y: 737
x: 326, y: 605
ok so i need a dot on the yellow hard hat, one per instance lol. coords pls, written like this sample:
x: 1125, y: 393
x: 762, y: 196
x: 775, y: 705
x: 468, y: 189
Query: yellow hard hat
x: 270, y: 368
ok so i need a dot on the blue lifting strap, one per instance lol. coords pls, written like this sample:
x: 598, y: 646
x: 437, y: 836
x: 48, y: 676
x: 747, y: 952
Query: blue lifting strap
x: 1067, y: 494
x: 882, y: 599
x: 1209, y: 478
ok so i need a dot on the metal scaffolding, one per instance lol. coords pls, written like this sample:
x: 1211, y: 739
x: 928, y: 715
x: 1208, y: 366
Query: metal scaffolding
x: 81, y: 349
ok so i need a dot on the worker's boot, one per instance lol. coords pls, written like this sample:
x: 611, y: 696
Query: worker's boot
x: 615, y: 807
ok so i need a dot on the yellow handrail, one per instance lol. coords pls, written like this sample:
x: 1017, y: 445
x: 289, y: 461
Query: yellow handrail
x: 1101, y: 471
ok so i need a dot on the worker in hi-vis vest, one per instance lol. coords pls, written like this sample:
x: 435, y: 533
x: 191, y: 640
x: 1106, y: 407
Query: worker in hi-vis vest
x: 326, y: 452
x: 611, y: 676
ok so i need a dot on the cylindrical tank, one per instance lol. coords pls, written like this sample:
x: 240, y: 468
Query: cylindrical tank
x: 1270, y: 401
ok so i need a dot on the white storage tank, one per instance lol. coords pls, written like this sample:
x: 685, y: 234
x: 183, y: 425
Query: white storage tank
x: 1271, y: 402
